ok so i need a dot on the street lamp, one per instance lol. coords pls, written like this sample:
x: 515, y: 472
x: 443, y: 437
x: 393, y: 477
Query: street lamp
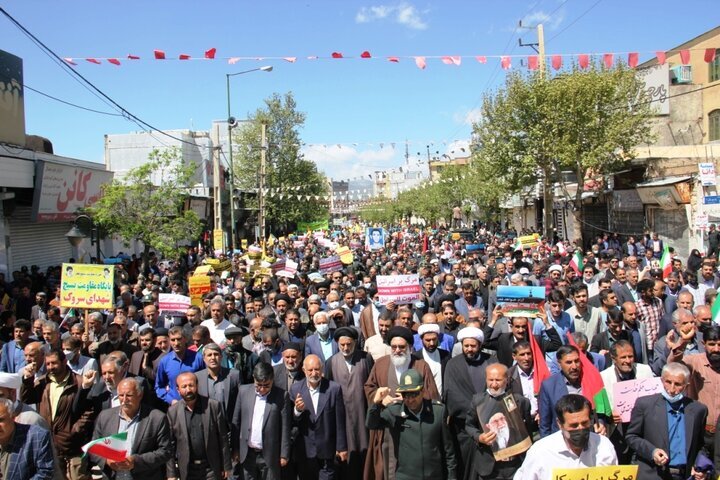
x: 232, y: 122
x: 76, y: 234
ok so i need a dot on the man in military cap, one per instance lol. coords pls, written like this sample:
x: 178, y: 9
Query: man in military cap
x: 421, y: 437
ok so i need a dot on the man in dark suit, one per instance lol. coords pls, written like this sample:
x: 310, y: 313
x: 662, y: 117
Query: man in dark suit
x: 320, y: 416
x: 290, y: 370
x: 29, y: 447
x: 666, y: 429
x: 321, y: 343
x: 218, y: 383
x: 104, y: 393
x: 261, y: 426
x: 201, y: 434
x: 144, y: 363
x: 519, y: 327
x: 148, y: 434
x: 293, y: 330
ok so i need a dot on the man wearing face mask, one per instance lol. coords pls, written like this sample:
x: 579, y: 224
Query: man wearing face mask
x: 704, y: 380
x: 321, y: 343
x: 574, y: 445
x: 489, y: 440
x: 666, y: 429
x: 78, y: 363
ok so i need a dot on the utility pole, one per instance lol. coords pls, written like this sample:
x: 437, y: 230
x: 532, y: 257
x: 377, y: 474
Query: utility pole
x: 261, y: 188
x: 217, y: 191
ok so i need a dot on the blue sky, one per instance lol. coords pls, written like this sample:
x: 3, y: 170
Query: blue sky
x: 347, y: 102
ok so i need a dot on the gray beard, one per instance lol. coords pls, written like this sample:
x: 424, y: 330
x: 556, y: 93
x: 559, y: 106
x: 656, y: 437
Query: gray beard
x: 400, y: 360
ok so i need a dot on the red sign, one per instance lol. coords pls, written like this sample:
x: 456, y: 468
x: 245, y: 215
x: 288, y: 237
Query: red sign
x: 330, y: 264
x: 398, y: 289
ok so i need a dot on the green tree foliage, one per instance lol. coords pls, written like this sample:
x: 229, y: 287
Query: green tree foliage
x: 285, y: 165
x: 135, y: 208
x: 585, y: 121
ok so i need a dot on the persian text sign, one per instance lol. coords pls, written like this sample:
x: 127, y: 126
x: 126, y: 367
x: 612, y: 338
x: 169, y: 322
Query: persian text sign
x: 87, y: 286
x: 626, y: 393
x: 172, y: 302
x: 330, y: 264
x: 398, y: 289
x: 62, y: 190
x: 624, y: 472
x: 707, y: 174
x: 199, y: 286
x: 289, y: 269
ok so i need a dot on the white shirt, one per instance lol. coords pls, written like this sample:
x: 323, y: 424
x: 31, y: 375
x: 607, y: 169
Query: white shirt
x: 552, y: 452
x: 528, y: 387
x: 433, y: 361
x: 217, y: 332
x: 314, y: 396
x: 257, y: 422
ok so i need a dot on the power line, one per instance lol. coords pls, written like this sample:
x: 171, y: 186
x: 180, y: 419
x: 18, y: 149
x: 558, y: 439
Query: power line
x: 574, y: 21
x: 125, y: 113
x: 72, y: 104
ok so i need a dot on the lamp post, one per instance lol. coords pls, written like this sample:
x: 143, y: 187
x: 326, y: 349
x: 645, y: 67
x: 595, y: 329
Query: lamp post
x: 232, y: 122
x: 76, y: 234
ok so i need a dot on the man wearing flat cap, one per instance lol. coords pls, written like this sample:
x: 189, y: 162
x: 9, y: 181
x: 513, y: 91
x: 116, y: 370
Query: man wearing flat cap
x: 350, y: 368
x: 387, y: 372
x: 422, y: 441
x: 465, y: 377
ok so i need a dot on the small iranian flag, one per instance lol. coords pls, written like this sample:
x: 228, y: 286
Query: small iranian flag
x: 666, y: 262
x: 576, y: 262
x: 716, y: 310
x: 114, y: 447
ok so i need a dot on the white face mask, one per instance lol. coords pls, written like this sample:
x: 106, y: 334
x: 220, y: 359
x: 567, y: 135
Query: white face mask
x: 333, y: 305
x: 69, y: 355
x: 322, y: 329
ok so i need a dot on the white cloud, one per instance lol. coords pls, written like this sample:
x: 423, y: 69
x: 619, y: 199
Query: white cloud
x: 549, y: 22
x: 402, y: 13
x: 458, y: 148
x: 343, y: 162
x: 467, y: 117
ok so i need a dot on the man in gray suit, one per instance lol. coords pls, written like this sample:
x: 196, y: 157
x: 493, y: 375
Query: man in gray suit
x: 200, y: 430
x: 218, y: 383
x: 261, y: 426
x: 148, y: 434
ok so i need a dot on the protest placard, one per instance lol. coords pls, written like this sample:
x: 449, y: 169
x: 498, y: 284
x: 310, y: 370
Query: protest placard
x: 398, y: 289
x: 172, y: 302
x: 346, y: 255
x: 198, y: 286
x: 330, y: 264
x: 87, y: 286
x: 626, y: 393
x: 520, y: 301
x: 505, y: 419
x: 624, y: 472
x: 289, y: 270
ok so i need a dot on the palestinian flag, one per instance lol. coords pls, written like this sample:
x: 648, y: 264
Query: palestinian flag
x: 716, y: 311
x: 666, y: 262
x: 114, y: 447
x: 592, y: 384
x: 576, y: 262
x: 540, y: 368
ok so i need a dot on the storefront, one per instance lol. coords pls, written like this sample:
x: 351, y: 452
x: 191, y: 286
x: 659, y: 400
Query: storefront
x: 668, y: 210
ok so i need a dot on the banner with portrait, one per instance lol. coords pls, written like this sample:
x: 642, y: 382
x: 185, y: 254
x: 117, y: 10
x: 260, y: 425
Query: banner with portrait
x: 87, y: 286
x: 374, y: 239
x: 505, y: 419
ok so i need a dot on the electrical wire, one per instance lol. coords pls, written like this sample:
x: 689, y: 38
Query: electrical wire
x: 72, y: 104
x: 574, y: 21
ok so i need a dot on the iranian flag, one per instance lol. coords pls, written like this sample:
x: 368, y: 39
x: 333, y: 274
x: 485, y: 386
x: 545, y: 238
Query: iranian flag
x: 716, y: 310
x: 592, y: 384
x: 576, y: 262
x: 666, y: 263
x: 114, y: 447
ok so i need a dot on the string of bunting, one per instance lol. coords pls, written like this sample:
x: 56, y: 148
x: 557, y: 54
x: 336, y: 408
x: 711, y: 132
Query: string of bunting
x: 421, y: 61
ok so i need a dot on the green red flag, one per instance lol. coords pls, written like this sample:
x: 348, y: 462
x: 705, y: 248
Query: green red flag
x: 592, y: 384
x: 666, y: 262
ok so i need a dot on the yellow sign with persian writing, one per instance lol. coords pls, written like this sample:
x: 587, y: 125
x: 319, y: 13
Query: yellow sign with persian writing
x: 611, y: 472
x: 87, y: 286
x: 218, y: 239
x: 198, y: 286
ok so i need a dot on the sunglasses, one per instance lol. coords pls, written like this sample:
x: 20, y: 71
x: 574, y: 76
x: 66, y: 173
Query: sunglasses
x: 409, y: 394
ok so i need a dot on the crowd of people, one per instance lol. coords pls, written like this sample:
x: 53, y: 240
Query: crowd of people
x: 277, y: 375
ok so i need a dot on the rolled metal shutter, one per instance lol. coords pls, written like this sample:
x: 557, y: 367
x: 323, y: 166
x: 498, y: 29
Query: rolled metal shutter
x: 673, y: 227
x: 41, y: 244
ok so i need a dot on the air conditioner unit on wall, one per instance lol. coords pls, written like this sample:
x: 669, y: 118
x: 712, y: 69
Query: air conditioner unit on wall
x: 681, y: 74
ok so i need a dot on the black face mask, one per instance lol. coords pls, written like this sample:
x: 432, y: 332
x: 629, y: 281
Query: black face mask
x: 578, y: 438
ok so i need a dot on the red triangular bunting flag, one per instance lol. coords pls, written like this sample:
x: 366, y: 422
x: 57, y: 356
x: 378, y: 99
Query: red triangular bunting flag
x: 133, y: 57
x: 184, y: 56
x: 533, y: 62
x: 608, y: 60
x: 70, y: 61
x: 481, y: 59
x: 114, y: 61
x: 583, y: 60
x: 290, y: 59
x: 556, y: 62
x: 337, y: 55
x: 394, y: 59
x: 505, y: 63
x: 233, y: 60
x: 685, y: 56
x: 365, y: 54
x: 210, y: 54
x: 420, y: 62
x: 661, y: 56
x: 447, y: 60
x: 632, y: 59
x: 709, y: 55
x: 159, y: 55
x: 93, y: 60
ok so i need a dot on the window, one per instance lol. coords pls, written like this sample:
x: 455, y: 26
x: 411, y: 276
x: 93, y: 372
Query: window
x: 714, y: 125
x: 714, y: 67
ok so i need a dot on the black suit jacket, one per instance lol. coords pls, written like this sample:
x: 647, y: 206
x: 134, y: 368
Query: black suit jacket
x: 321, y: 433
x: 99, y: 395
x: 136, y: 363
x: 648, y: 430
x: 151, y: 447
x: 504, y: 343
x: 230, y: 379
x: 281, y: 375
x: 215, y: 434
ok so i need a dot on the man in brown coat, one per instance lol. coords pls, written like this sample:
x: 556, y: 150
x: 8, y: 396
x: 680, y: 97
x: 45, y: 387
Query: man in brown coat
x: 61, y: 396
x: 386, y: 373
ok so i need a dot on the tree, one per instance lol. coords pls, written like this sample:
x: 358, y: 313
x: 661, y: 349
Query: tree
x: 535, y: 127
x: 136, y: 208
x: 298, y: 191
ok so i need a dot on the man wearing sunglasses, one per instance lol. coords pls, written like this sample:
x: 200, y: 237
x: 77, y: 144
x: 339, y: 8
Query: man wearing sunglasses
x: 421, y: 437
